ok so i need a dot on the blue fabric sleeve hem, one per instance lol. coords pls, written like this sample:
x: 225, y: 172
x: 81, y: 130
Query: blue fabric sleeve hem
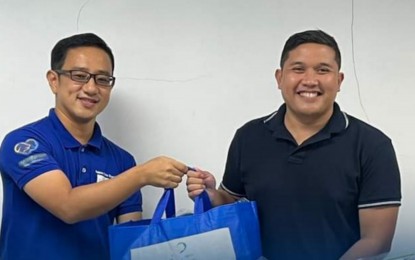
x: 39, y: 171
x: 130, y: 209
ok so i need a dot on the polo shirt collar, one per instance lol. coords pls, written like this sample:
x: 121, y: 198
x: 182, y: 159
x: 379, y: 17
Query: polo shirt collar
x: 67, y: 139
x: 336, y: 124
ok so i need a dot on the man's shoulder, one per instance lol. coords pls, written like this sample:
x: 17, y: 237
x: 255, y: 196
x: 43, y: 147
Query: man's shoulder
x: 36, y: 127
x: 257, y: 127
x: 366, y: 134
x: 259, y: 122
x: 25, y: 140
x: 365, y: 128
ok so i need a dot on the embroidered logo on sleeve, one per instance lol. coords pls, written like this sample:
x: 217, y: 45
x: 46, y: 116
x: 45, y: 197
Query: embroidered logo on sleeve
x: 32, y: 159
x: 26, y: 147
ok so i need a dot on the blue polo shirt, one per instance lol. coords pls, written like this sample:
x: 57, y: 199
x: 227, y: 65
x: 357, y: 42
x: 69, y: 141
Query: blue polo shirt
x: 309, y: 195
x: 28, y: 231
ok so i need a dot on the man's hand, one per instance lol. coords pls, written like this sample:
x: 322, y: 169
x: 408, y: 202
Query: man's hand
x: 163, y: 172
x: 200, y: 180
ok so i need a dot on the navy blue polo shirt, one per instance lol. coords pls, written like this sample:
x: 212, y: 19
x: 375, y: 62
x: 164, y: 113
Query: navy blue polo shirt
x: 28, y: 230
x: 309, y: 195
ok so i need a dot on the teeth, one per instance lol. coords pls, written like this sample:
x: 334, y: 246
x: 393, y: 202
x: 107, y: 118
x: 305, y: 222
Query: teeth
x: 308, y: 94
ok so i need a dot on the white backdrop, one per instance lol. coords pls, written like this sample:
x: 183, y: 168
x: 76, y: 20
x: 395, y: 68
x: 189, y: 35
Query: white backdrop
x: 190, y: 72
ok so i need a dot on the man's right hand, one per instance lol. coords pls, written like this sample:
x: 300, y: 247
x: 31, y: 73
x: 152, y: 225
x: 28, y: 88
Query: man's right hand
x: 163, y: 172
x: 200, y: 180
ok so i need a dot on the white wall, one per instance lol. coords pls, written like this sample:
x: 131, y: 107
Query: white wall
x: 190, y: 72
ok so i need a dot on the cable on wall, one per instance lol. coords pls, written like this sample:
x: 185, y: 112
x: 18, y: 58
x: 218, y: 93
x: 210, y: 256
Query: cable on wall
x: 354, y: 65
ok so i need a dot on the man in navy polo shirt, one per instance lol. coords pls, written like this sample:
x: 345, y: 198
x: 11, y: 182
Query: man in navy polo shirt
x: 63, y: 182
x: 327, y: 185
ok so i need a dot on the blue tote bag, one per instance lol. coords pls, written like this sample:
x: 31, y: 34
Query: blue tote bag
x: 225, y: 232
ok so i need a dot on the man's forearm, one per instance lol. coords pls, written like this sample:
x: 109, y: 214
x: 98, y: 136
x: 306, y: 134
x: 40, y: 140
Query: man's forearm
x: 221, y: 197
x: 367, y: 249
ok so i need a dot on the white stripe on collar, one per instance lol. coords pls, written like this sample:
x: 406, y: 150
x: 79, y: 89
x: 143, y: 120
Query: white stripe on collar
x: 271, y: 116
x: 346, y: 119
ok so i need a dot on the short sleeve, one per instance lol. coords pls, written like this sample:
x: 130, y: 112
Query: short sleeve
x: 25, y: 155
x: 380, y: 181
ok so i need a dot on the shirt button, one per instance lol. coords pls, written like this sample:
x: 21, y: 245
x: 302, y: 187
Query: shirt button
x: 83, y: 149
x: 83, y: 170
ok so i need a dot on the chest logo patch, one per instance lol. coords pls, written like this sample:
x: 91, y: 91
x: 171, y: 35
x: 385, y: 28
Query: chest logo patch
x: 102, y: 176
x: 26, y: 147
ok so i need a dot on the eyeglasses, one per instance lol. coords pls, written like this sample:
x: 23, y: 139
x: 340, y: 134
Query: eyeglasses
x: 84, y: 77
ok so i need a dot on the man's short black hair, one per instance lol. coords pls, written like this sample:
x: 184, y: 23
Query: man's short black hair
x: 311, y: 36
x: 61, y: 48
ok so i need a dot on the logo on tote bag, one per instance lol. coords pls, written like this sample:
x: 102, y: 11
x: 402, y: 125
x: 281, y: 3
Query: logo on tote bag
x: 216, y: 244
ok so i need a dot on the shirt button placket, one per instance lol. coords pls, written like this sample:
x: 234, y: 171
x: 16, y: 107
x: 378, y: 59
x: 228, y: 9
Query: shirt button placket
x: 83, y: 178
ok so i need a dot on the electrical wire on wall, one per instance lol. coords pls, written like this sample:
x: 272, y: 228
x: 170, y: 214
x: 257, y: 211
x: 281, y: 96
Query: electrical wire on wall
x: 354, y: 66
x: 79, y: 15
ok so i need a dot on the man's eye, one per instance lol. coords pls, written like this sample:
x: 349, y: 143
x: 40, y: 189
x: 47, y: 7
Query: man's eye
x: 79, y: 76
x: 104, y: 80
x: 323, y: 70
x: 298, y: 69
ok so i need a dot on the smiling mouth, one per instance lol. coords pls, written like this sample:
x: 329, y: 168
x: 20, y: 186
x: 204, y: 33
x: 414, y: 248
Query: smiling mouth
x: 88, y: 100
x: 309, y: 94
x: 88, y: 103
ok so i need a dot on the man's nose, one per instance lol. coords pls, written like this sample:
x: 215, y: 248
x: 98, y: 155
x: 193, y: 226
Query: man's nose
x: 310, y: 78
x: 90, y: 86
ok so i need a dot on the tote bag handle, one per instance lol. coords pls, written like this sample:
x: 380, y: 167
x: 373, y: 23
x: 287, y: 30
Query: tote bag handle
x: 167, y: 205
x: 202, y: 203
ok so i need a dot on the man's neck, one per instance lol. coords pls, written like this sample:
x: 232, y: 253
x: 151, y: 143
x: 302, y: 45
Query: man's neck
x: 304, y: 127
x: 82, y: 132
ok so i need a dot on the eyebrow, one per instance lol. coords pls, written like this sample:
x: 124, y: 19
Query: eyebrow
x: 101, y: 72
x: 325, y: 64
x: 302, y: 63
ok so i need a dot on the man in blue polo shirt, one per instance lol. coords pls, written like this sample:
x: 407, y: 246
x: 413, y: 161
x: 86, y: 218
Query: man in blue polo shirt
x: 63, y: 182
x: 327, y: 185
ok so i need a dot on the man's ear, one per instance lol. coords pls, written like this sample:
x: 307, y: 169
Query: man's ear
x: 340, y: 80
x: 278, y: 76
x: 53, y: 80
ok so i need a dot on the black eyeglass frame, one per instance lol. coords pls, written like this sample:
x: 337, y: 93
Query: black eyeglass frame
x: 90, y: 75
